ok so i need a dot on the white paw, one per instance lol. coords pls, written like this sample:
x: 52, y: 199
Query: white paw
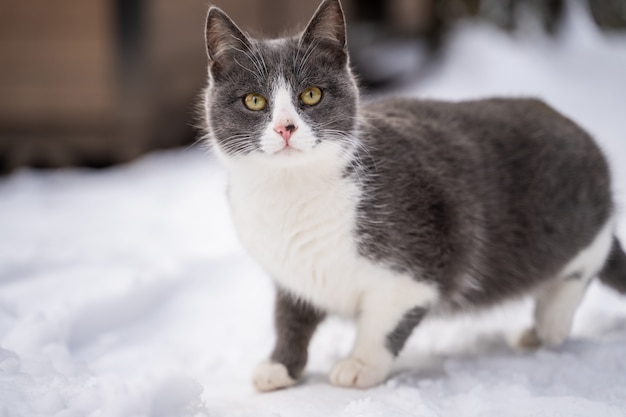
x: 546, y: 335
x: 352, y: 372
x: 553, y: 332
x: 528, y: 340
x: 270, y: 376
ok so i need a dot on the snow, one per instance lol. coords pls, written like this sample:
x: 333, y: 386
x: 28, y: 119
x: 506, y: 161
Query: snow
x: 124, y: 292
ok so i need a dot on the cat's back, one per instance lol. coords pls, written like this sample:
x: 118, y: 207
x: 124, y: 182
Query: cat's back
x: 523, y: 143
x: 481, y: 121
x: 517, y: 138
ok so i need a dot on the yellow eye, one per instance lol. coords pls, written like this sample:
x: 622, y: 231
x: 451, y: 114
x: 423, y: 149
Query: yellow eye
x: 311, y: 96
x: 254, y: 101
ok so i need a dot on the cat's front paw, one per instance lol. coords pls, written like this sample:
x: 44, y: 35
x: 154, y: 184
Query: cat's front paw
x: 270, y: 376
x: 355, y: 373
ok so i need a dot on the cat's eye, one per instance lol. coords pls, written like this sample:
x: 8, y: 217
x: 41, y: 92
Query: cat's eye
x: 311, y: 96
x: 254, y: 101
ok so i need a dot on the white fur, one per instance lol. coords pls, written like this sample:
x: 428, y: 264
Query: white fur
x: 296, y: 214
x: 556, y: 302
x: 284, y: 113
x: 270, y: 376
x: 354, y: 372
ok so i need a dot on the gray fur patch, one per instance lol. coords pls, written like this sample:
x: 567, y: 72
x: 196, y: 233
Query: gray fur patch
x: 397, y: 338
x: 614, y: 272
x: 295, y: 322
x: 574, y: 276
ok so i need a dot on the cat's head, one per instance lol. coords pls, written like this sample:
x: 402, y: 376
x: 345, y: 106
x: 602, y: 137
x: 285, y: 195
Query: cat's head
x: 282, y: 101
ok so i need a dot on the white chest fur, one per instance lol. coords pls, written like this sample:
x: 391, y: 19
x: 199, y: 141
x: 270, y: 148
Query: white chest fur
x: 299, y: 226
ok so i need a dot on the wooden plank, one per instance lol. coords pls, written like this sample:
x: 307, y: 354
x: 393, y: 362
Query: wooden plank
x: 56, y: 62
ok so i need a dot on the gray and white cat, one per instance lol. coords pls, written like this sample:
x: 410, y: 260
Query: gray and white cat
x: 390, y: 211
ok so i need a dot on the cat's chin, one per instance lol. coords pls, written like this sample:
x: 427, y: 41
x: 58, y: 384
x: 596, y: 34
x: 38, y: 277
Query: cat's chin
x: 322, y: 157
x: 290, y: 156
x: 288, y: 151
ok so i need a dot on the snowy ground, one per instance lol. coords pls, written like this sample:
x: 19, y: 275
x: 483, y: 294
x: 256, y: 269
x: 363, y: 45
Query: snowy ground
x: 125, y: 293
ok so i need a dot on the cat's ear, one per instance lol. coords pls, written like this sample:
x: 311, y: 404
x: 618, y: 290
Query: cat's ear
x: 328, y: 23
x: 222, y: 34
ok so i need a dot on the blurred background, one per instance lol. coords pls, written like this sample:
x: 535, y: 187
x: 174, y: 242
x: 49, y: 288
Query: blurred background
x: 100, y: 82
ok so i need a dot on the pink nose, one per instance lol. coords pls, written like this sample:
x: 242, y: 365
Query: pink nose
x: 285, y: 130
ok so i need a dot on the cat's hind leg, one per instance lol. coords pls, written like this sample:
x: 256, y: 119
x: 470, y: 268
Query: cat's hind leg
x: 555, y: 306
x: 388, y: 314
x: 557, y: 301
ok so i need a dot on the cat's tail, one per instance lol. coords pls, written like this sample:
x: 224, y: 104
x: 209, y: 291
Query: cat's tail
x: 613, y: 273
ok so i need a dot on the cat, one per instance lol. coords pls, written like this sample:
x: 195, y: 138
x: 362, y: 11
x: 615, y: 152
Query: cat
x: 397, y: 209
